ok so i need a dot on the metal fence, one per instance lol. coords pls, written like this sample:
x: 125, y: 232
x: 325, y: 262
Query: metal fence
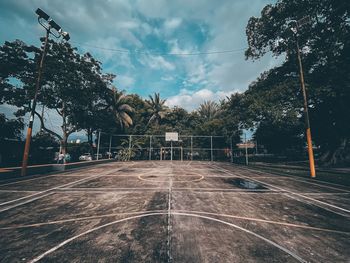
x: 155, y: 147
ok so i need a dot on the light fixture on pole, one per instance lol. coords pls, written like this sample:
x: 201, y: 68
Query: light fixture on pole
x: 44, y: 20
x: 295, y: 29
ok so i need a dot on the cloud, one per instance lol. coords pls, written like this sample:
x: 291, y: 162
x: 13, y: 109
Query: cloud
x: 156, y: 62
x: 191, y: 100
x: 173, y: 23
x: 124, y: 81
x: 153, y: 26
x: 167, y: 78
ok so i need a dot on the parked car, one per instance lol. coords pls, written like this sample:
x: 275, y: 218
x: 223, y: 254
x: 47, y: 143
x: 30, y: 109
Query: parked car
x: 85, y: 157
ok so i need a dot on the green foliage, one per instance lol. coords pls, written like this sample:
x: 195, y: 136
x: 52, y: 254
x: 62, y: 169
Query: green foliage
x: 10, y: 129
x: 324, y: 44
x: 156, y: 108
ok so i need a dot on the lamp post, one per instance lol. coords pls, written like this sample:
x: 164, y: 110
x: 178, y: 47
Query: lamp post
x: 45, y: 21
x: 294, y: 29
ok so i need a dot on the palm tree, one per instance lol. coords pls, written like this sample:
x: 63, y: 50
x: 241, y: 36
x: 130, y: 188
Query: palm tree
x: 209, y: 110
x: 118, y: 103
x: 157, y: 108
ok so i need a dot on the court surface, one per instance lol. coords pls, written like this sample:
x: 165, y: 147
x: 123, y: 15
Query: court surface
x: 165, y: 211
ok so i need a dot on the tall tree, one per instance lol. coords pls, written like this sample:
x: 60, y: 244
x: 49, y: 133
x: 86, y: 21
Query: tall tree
x: 118, y: 104
x: 324, y: 44
x: 208, y: 110
x: 157, y: 108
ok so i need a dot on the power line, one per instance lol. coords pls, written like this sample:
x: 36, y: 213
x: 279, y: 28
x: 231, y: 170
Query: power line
x: 161, y: 53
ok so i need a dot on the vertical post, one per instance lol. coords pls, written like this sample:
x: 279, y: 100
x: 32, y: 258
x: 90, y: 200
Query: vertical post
x: 110, y: 147
x: 211, y: 148
x: 182, y: 154
x: 231, y: 151
x: 31, y: 120
x: 150, y: 147
x: 191, y: 148
x: 130, y: 138
x: 98, y: 144
x: 171, y: 150
x: 306, y: 113
x: 256, y: 147
x: 246, y: 149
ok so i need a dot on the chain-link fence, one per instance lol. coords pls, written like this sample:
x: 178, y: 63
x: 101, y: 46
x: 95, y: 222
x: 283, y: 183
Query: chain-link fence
x: 155, y: 147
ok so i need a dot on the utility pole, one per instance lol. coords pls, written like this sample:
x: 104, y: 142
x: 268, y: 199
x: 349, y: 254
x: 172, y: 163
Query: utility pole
x: 48, y: 24
x: 306, y: 108
x: 31, y: 120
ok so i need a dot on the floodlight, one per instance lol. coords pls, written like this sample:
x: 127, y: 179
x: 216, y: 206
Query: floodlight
x: 65, y: 35
x: 42, y: 14
x: 54, y: 25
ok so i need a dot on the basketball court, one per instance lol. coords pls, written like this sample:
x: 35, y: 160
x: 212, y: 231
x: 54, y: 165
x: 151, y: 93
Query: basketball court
x: 173, y: 211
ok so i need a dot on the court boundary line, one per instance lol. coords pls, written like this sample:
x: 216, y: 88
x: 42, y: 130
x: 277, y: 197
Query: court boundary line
x: 45, y: 191
x: 294, y: 193
x: 41, y: 256
x: 75, y: 219
x: 301, y: 179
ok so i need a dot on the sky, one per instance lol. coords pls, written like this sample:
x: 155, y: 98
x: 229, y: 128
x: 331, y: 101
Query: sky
x: 153, y: 45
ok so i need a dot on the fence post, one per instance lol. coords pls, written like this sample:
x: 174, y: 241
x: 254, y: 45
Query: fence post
x: 130, y: 138
x: 150, y: 147
x: 98, y: 144
x: 171, y: 150
x: 211, y: 148
x: 246, y: 149
x: 231, y: 151
x: 110, y: 147
x: 191, y: 148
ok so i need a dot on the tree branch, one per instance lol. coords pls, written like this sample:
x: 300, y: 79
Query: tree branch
x: 46, y: 129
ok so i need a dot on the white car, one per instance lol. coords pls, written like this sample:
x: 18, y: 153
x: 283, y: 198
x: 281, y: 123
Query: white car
x: 85, y: 157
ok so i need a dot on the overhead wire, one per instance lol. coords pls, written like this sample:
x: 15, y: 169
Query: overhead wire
x: 160, y: 53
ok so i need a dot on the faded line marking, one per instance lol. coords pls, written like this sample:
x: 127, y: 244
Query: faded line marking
x: 268, y: 221
x: 176, y: 181
x: 45, y: 191
x: 25, y: 202
x: 41, y: 256
x: 77, y: 219
x: 290, y: 192
x: 318, y: 183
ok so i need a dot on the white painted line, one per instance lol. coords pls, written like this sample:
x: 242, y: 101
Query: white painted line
x: 267, y: 221
x: 290, y: 192
x: 176, y: 181
x: 18, y: 191
x: 25, y: 202
x: 45, y: 191
x: 318, y: 182
x: 63, y: 221
x: 67, y: 241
